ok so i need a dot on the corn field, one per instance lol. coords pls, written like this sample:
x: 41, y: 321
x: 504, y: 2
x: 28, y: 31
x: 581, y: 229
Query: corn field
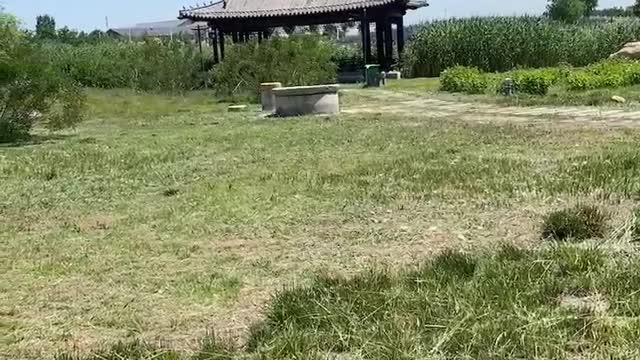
x: 504, y: 43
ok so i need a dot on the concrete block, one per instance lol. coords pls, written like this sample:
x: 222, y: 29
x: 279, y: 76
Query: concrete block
x: 393, y: 75
x: 237, y: 108
x: 304, y: 100
x: 268, y: 99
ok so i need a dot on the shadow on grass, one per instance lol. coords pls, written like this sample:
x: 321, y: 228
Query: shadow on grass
x: 34, y: 140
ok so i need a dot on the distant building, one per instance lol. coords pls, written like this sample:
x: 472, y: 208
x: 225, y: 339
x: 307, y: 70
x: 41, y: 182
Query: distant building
x: 183, y: 29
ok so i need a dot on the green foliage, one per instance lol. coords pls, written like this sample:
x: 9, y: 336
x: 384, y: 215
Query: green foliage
x: 498, y: 44
x: 145, y: 65
x: 31, y: 91
x: 537, y: 81
x: 589, y: 7
x: 566, y: 10
x: 348, y: 57
x: 45, y: 27
x: 298, y: 60
x: 605, y: 74
x: 578, y: 223
x: 636, y: 8
x: 463, y: 79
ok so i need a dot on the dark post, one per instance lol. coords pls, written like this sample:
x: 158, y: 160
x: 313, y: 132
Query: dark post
x: 380, y: 42
x: 366, y: 38
x: 234, y: 36
x: 260, y: 34
x: 388, y: 44
x: 400, y: 23
x: 221, y: 41
x: 214, y: 44
x: 201, y: 55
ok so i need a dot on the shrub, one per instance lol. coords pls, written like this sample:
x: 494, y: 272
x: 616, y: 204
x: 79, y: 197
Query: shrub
x: 582, y: 81
x: 31, y: 90
x: 298, y: 60
x: 605, y: 74
x: 535, y: 82
x: 498, y: 44
x: 463, y: 79
x: 578, y: 223
x: 348, y: 58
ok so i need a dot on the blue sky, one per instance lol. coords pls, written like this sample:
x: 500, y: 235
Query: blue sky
x: 90, y: 14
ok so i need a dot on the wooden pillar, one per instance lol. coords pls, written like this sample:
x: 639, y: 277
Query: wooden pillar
x: 216, y: 52
x: 214, y: 44
x: 388, y: 45
x: 400, y: 23
x: 366, y: 37
x: 234, y: 36
x: 380, y: 42
x: 221, y: 41
x: 260, y: 34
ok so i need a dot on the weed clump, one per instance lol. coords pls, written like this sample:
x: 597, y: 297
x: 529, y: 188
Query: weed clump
x: 635, y: 225
x: 578, y: 223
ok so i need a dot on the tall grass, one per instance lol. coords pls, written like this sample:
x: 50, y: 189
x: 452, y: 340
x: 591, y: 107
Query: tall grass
x: 144, y: 65
x: 503, y: 43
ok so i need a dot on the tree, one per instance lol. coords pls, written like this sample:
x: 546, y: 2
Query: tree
x: 636, y: 8
x: 67, y: 36
x: 589, y: 6
x: 45, y: 27
x: 331, y: 30
x: 289, y: 29
x: 566, y: 10
x: 614, y: 12
x: 32, y: 91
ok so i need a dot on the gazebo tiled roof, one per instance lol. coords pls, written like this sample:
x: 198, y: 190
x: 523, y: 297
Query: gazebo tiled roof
x: 224, y: 9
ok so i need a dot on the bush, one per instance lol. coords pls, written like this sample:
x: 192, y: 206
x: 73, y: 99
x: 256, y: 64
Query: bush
x: 498, y: 44
x: 31, y: 90
x: 535, y: 82
x: 295, y: 61
x: 463, y: 79
x: 578, y: 223
x: 348, y: 58
x: 605, y: 74
x: 145, y: 65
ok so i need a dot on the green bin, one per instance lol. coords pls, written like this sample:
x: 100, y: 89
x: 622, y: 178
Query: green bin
x: 372, y: 75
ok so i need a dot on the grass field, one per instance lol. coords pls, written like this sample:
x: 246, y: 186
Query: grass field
x: 164, y: 219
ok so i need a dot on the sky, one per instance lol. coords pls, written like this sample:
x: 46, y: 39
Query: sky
x: 92, y: 14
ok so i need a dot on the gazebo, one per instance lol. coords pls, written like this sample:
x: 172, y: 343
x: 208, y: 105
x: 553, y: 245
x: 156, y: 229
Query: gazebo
x: 245, y: 19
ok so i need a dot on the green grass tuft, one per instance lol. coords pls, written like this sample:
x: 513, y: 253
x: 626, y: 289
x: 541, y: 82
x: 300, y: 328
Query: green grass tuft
x: 135, y: 350
x: 578, y: 223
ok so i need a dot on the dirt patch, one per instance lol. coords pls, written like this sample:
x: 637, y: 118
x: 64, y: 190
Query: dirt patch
x: 412, y: 105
